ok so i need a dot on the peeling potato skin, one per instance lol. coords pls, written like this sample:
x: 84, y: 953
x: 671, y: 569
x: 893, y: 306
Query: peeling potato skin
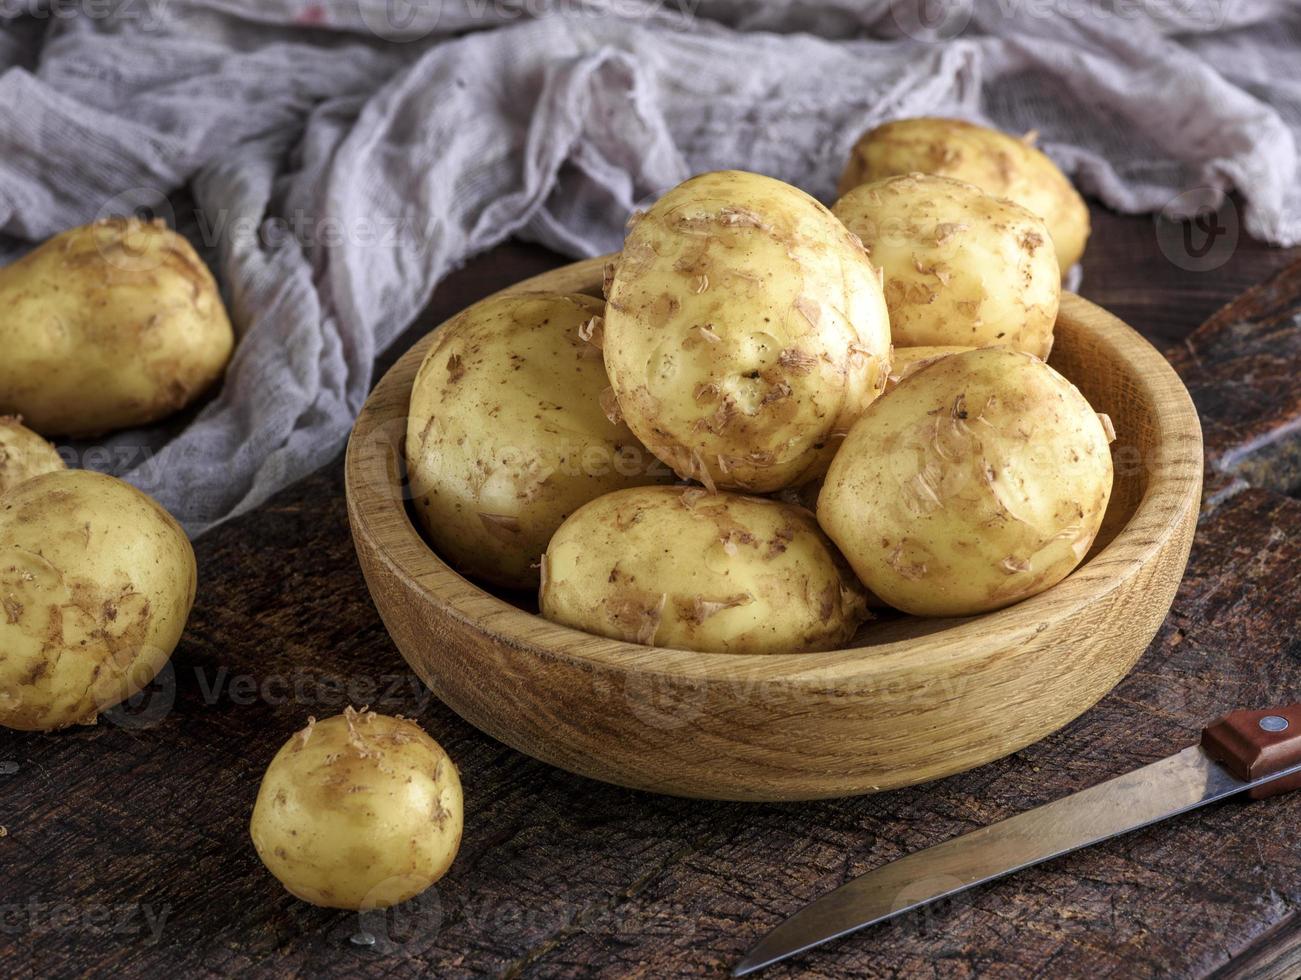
x: 995, y: 162
x: 907, y: 361
x: 108, y: 326
x: 978, y: 482
x: 96, y: 583
x: 508, y: 433
x: 962, y: 268
x: 723, y: 573
x: 24, y: 454
x: 359, y: 811
x: 745, y: 332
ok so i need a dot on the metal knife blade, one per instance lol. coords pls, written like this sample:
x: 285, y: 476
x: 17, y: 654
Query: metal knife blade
x: 1163, y: 789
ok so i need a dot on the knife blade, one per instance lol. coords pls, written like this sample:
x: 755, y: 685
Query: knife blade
x: 1252, y: 752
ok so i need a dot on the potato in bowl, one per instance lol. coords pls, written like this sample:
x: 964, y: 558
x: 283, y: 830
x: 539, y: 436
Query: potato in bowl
x: 997, y: 163
x: 961, y: 267
x: 681, y: 567
x: 511, y: 429
x: 907, y: 361
x: 979, y: 481
x: 745, y: 331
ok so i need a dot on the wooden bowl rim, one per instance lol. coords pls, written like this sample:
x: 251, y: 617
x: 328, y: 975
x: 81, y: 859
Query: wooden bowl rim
x: 1157, y: 515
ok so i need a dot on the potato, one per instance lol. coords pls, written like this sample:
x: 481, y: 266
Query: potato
x: 23, y: 454
x: 359, y: 811
x: 680, y: 567
x: 962, y: 268
x: 745, y: 332
x: 96, y: 582
x: 507, y: 435
x: 907, y: 361
x: 107, y: 326
x: 995, y: 162
x: 980, y: 481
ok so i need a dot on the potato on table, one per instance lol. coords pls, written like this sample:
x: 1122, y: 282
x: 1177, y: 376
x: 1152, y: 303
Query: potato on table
x: 745, y: 331
x: 680, y: 567
x: 96, y: 583
x: 24, y: 454
x: 980, y: 481
x: 359, y: 811
x: 962, y: 268
x: 112, y: 325
x: 995, y: 162
x: 510, y: 432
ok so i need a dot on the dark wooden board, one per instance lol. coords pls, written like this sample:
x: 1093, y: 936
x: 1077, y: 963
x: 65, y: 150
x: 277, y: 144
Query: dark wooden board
x: 1241, y: 367
x: 146, y: 815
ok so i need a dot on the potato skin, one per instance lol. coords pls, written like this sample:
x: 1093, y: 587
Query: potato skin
x: 507, y: 434
x: 24, y: 454
x: 745, y: 331
x: 907, y: 361
x: 358, y: 811
x: 111, y: 325
x: 995, y: 162
x: 96, y: 583
x: 978, y: 482
x: 680, y: 567
x: 962, y: 268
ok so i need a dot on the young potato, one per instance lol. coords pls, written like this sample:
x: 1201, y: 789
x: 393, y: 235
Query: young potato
x: 24, y: 454
x: 680, y: 567
x: 745, y: 331
x: 107, y: 326
x: 508, y: 432
x: 993, y: 161
x: 359, y: 811
x: 907, y: 361
x: 962, y: 268
x: 96, y: 583
x: 979, y: 482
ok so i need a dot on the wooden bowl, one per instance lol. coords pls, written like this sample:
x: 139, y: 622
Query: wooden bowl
x: 912, y: 700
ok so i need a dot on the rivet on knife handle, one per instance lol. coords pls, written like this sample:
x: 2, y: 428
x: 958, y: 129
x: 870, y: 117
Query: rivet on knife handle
x: 1256, y: 744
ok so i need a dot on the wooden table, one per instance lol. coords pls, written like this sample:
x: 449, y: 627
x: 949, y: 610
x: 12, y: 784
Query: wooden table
x: 127, y: 846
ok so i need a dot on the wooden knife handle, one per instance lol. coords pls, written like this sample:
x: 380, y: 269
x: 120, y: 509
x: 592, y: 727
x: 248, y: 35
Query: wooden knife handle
x: 1256, y: 744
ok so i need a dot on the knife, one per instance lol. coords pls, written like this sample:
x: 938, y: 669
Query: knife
x: 1253, y: 752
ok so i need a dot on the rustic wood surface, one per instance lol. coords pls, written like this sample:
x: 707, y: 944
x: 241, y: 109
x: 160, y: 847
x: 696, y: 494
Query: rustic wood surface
x: 127, y: 850
x: 910, y: 700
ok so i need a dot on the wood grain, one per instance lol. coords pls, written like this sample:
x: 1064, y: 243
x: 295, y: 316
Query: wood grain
x: 912, y: 702
x: 1241, y: 367
x: 561, y: 876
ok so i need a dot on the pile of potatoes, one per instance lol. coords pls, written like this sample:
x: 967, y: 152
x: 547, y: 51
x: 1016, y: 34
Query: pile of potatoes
x: 642, y: 461
x: 111, y: 325
x: 114, y: 325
